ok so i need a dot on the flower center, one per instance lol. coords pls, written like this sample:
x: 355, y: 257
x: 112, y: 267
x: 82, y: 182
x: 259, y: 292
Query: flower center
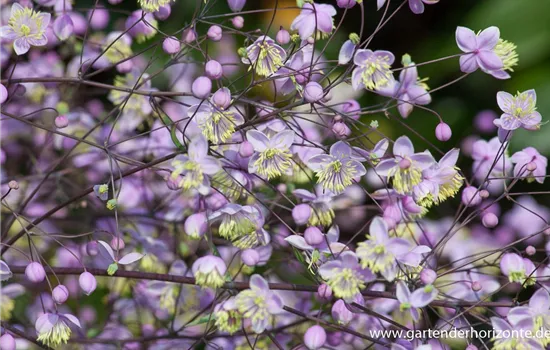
x: 25, y: 29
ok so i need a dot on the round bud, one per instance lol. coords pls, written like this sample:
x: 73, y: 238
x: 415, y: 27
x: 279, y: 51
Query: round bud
x: 530, y: 250
x: 443, y: 132
x: 14, y: 185
x: 189, y: 35
x: 476, y: 286
x: 61, y: 122
x: 196, y: 225
x: 99, y: 18
x: 213, y: 69
x: 236, y: 5
x: 404, y: 163
x: 117, y: 243
x: 346, y: 4
x: 222, y: 98
x: 310, y: 40
x: 163, y: 12
x: 60, y: 294
x: 87, y: 282
x: 214, y: 33
x: 7, y: 342
x: 531, y: 166
x: 3, y: 93
x: 341, y: 130
x: 428, y: 276
x: 489, y: 220
x: 171, y: 45
x: 282, y: 37
x: 250, y: 257
x: 238, y: 22
x: 35, y: 272
x: 352, y: 109
x: 313, y: 236
x: 201, y: 87
x: 92, y: 248
x: 471, y: 196
x: 315, y: 337
x: 313, y: 92
x: 301, y: 213
x: 324, y: 291
x: 484, y: 194
x: 246, y: 149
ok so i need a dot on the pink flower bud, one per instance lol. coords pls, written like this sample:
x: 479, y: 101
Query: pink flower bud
x: 530, y: 250
x: 301, y: 213
x: 484, y: 194
x: 171, y: 45
x: 117, y: 243
x: 313, y: 92
x: 313, y: 236
x: 201, y: 87
x: 213, y: 69
x: 352, y: 109
x: 315, y: 337
x: 163, y: 12
x: 428, y: 276
x: 189, y: 35
x: 61, y: 122
x: 238, y: 22
x: 346, y: 4
x: 489, y: 220
x: 3, y: 93
x: 443, y: 132
x: 7, y: 342
x: 99, y: 18
x: 246, y: 149
x: 340, y: 313
x: 60, y: 294
x: 341, y: 130
x: 222, y: 98
x: 92, y: 248
x: 35, y: 272
x: 470, y: 196
x: 196, y: 225
x: 236, y: 5
x: 476, y: 286
x: 214, y: 33
x: 87, y: 282
x: 324, y: 291
x: 250, y: 257
x: 14, y: 185
x: 282, y: 37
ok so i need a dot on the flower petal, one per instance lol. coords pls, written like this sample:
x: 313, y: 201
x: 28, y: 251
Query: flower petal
x: 466, y: 39
x: 258, y: 139
x: 488, y: 38
x: 130, y: 258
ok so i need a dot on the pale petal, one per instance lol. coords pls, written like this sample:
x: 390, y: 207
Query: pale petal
x: 417, y: 6
x: 402, y: 292
x: 73, y: 319
x: 107, y: 250
x: 384, y: 167
x: 130, y: 258
x: 403, y: 147
x: 488, y: 38
x: 258, y: 283
x: 259, y: 141
x: 488, y: 60
x: 361, y: 56
x: 466, y: 39
x: 505, y: 101
x: 298, y: 242
x: 21, y: 46
x: 282, y: 140
x: 468, y: 63
x: 419, y: 298
x: 378, y: 229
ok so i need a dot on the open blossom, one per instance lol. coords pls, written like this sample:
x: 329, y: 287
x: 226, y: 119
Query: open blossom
x: 320, y: 203
x: 196, y: 166
x: 314, y: 18
x: 519, y: 111
x: 236, y: 220
x: 518, y: 269
x: 336, y: 171
x: 514, y: 336
x: 527, y: 159
x: 489, y: 158
x: 345, y: 275
x: 410, y: 302
x: 228, y: 319
x: 259, y: 303
x: 537, y: 311
x: 373, y: 155
x: 215, y: 120
x: 25, y: 28
x: 405, y: 169
x: 117, y: 47
x: 53, y: 330
x: 264, y: 56
x: 209, y: 271
x: 272, y: 156
x: 152, y: 5
x: 373, y: 69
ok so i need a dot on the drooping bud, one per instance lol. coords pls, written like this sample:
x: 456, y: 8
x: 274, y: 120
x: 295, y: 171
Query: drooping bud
x: 213, y: 69
x: 346, y: 4
x: 313, y: 236
x: 189, y: 35
x: 7, y: 342
x: 313, y: 92
x: 489, y: 220
x: 35, y: 272
x: 282, y: 37
x: 14, y: 185
x: 117, y: 243
x: 476, y: 286
x: 87, y: 282
x: 222, y: 98
x: 201, y: 87
x: 195, y: 225
x: 246, y: 149
x: 238, y: 22
x: 250, y: 257
x: 530, y: 250
x: 61, y: 122
x: 236, y: 5
x: 471, y: 196
x: 301, y: 214
x: 163, y: 12
x: 315, y: 337
x: 171, y: 45
x: 341, y: 130
x: 428, y: 276
x: 443, y: 132
x: 60, y: 294
x: 214, y: 33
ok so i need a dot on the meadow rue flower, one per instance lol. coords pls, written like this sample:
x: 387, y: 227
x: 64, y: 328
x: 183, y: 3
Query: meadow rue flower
x: 479, y: 49
x: 60, y: 294
x: 236, y: 220
x: 209, y: 271
x: 314, y: 18
x: 25, y: 28
x: 152, y: 5
x: 489, y: 158
x: 195, y: 225
x: 411, y: 302
x: 264, y: 56
x: 514, y: 337
x: 272, y: 157
x: 520, y: 111
x: 215, y: 33
x: 506, y: 51
x: 373, y: 69
x: 313, y: 92
x: 213, y: 69
x: 283, y: 36
x: 35, y: 272
x: 335, y: 171
x: 530, y: 165
x: 471, y: 196
x: 259, y: 303
x: 228, y: 319
x: 315, y: 337
x: 53, y: 330
x: 405, y: 169
x: 215, y: 121
x: 443, y: 132
x: 141, y: 27
x: 537, y: 310
x: 340, y: 313
x: 117, y: 47
x: 196, y: 166
x: 517, y: 269
x: 345, y: 276
x: 201, y: 87
x: 87, y: 282
x: 374, y: 155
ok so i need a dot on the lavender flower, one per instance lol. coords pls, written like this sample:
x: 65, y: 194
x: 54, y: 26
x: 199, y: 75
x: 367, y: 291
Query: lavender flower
x: 314, y: 18
x: 264, y: 56
x: 373, y: 69
x: 520, y: 111
x: 336, y: 171
x: 236, y: 220
x: 209, y: 271
x: 410, y: 302
x: 416, y: 6
x: 258, y: 304
x: 228, y: 319
x: 537, y: 311
x: 530, y: 165
x: 25, y: 27
x: 320, y: 204
x: 517, y: 269
x: 53, y: 330
x: 196, y: 166
x: 513, y: 337
x: 272, y: 156
x: 152, y: 5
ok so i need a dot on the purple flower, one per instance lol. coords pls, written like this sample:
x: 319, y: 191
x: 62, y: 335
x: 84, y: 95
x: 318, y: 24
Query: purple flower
x: 26, y: 28
x: 236, y: 220
x: 272, y: 157
x: 520, y: 111
x: 530, y: 165
x: 479, y: 49
x: 410, y: 302
x: 319, y: 203
x: 152, y: 5
x: 537, y: 310
x: 265, y: 56
x: 416, y: 6
x: 53, y: 330
x: 312, y: 18
x: 209, y: 271
x: 373, y: 69
x: 63, y: 27
x: 337, y: 170
x: 258, y: 303
x: 514, y: 337
x: 489, y: 158
x: 518, y: 269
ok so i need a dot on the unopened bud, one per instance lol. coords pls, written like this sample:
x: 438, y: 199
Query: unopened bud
x: 14, y: 185
x: 476, y: 286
